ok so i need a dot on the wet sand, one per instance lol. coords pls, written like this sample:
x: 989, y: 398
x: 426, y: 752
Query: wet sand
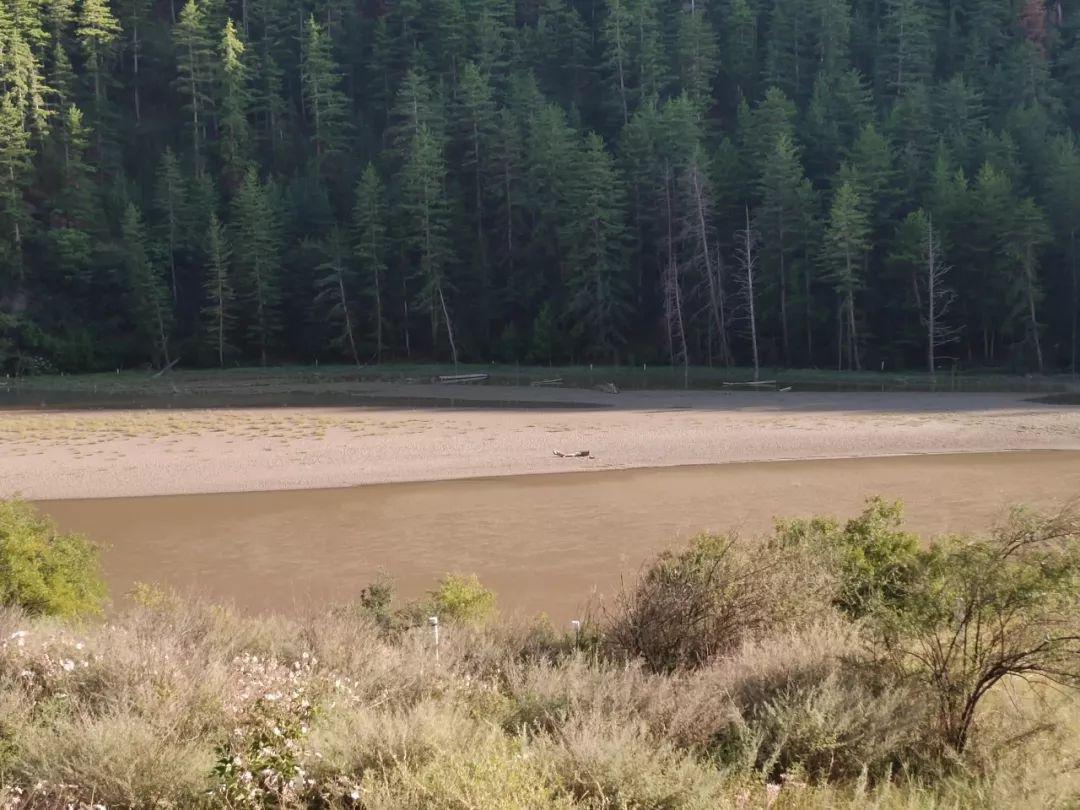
x: 387, y: 436
x: 544, y: 542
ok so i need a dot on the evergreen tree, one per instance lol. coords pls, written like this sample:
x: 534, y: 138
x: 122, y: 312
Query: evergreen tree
x: 696, y: 51
x: 97, y: 32
x: 846, y: 239
x: 15, y: 167
x: 426, y: 211
x: 370, y: 246
x: 194, y: 61
x: 233, y: 101
x: 783, y: 219
x: 907, y: 57
x: 148, y: 295
x: 334, y: 294
x: 325, y: 103
x: 219, y: 310
x: 169, y: 205
x: 598, y: 290
x: 256, y: 225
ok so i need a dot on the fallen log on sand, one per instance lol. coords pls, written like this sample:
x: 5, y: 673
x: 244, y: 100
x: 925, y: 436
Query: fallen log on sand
x: 753, y: 384
x: 578, y: 454
x: 459, y: 379
x: 551, y: 382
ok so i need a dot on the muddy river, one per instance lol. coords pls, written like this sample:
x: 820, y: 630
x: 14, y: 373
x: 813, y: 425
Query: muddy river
x: 545, y: 543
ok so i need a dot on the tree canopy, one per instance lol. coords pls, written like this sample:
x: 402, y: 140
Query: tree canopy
x: 238, y: 181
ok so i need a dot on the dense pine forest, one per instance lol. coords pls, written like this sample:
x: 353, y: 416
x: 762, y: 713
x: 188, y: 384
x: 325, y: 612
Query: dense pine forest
x: 833, y: 183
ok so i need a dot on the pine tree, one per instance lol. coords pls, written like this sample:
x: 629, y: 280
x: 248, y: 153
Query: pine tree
x: 426, y: 210
x: 598, y: 290
x: 847, y: 238
x: 907, y: 58
x: 219, y: 310
x: 149, y: 298
x: 169, y: 205
x: 97, y: 32
x: 476, y: 122
x: 135, y: 22
x: 370, y: 246
x: 783, y: 220
x: 1064, y: 196
x: 1029, y: 233
x: 194, y: 61
x: 697, y: 51
x: 740, y: 47
x: 15, y: 170
x: 334, y: 293
x: 255, y: 219
x: 617, y: 34
x: 233, y: 101
x: 327, y: 107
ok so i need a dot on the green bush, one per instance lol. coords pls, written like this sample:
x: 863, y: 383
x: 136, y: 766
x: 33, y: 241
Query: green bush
x: 459, y: 598
x: 872, y: 554
x: 43, y: 571
x: 975, y: 612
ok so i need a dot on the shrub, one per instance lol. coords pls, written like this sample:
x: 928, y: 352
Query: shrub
x: 872, y: 553
x: 459, y: 598
x: 690, y: 606
x: 43, y: 571
x: 976, y: 611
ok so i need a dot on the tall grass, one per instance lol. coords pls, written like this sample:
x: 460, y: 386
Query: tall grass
x: 175, y: 702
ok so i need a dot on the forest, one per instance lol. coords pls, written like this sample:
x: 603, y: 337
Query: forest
x: 849, y: 184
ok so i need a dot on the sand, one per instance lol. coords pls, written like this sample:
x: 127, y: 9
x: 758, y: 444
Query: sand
x: 117, y: 452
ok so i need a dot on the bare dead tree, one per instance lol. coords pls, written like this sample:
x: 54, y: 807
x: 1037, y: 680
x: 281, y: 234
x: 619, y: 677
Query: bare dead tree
x: 700, y: 235
x: 938, y: 298
x: 746, y: 256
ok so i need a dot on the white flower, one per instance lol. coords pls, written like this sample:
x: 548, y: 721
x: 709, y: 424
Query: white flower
x: 67, y: 664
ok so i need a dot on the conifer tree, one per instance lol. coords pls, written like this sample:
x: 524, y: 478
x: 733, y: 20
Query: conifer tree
x: 194, y: 60
x: 598, y: 290
x: 169, y: 205
x: 233, y: 101
x: 97, y: 32
x: 846, y: 239
x: 334, y: 293
x: 218, y: 311
x: 150, y: 309
x: 325, y: 102
x: 426, y: 212
x: 370, y: 246
x: 787, y: 200
x: 15, y: 167
x: 255, y: 220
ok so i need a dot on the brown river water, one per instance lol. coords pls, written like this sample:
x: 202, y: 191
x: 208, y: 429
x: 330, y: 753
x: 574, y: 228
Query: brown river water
x: 550, y: 543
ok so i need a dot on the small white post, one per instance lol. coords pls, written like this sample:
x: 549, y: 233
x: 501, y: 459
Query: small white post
x: 434, y: 622
x: 575, y: 624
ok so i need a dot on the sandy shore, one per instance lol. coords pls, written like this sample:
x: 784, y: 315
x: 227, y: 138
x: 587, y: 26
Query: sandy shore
x: 180, y: 450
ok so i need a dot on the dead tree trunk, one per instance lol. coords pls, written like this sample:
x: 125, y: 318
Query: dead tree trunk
x: 747, y: 270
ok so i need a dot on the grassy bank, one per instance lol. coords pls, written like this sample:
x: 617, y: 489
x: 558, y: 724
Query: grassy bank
x: 826, y: 665
x: 315, y: 379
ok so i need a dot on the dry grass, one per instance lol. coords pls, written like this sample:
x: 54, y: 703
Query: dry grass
x: 138, y: 712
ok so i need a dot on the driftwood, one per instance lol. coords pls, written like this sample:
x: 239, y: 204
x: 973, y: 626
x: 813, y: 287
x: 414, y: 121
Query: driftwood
x: 552, y: 382
x: 578, y: 454
x: 608, y: 388
x: 753, y: 384
x: 460, y: 379
x: 167, y: 368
